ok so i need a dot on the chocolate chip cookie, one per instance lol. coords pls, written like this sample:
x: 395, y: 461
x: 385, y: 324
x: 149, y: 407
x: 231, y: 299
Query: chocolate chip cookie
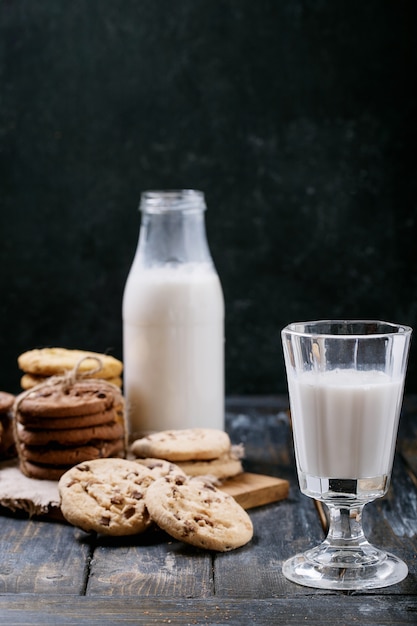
x: 196, y: 512
x: 183, y: 445
x: 106, y: 496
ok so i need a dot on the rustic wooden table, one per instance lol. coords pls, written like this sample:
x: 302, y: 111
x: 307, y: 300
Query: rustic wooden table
x: 51, y: 573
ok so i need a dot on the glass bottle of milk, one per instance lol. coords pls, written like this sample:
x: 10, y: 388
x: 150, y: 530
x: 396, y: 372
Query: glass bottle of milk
x: 173, y: 320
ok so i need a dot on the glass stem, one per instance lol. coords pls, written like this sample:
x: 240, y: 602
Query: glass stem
x: 345, y: 525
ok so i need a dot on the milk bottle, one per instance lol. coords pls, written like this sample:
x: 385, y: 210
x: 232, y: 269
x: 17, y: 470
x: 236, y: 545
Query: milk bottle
x: 173, y: 320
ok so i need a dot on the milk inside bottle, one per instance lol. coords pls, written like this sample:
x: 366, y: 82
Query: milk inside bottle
x: 173, y: 320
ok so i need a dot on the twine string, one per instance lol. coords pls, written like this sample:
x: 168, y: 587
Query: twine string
x: 62, y: 382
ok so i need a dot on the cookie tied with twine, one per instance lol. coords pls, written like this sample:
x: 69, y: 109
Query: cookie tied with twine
x: 67, y: 403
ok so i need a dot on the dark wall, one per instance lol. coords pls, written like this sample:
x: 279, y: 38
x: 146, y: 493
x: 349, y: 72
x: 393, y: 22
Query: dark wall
x: 297, y: 118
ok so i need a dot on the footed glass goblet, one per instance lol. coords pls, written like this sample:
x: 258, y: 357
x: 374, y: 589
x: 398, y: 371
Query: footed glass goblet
x: 345, y: 383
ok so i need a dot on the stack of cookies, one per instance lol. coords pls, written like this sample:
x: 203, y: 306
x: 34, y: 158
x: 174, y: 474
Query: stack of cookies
x: 61, y: 424
x: 38, y: 365
x: 7, y: 447
x: 197, y: 451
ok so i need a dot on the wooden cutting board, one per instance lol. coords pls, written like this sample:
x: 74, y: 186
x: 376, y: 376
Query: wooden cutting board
x: 251, y: 490
x: 40, y: 498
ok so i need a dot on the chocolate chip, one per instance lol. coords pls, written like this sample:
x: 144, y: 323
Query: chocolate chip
x: 128, y: 513
x: 175, y: 493
x: 105, y: 521
x: 201, y: 520
x: 189, y: 527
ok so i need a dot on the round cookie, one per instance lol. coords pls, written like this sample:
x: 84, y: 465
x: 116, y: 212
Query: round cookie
x: 196, y: 512
x: 71, y: 436
x: 190, y: 444
x: 106, y: 496
x: 81, y: 421
x: 42, y: 472
x: 225, y: 466
x: 28, y: 381
x: 82, y: 398
x: 70, y: 455
x: 55, y: 361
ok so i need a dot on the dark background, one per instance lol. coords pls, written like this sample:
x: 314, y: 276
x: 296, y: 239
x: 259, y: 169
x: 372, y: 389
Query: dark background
x: 297, y: 118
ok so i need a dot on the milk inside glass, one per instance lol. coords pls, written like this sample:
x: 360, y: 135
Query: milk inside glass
x: 345, y: 424
x: 173, y: 345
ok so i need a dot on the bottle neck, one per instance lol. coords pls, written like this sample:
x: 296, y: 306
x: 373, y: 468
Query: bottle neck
x: 172, y: 229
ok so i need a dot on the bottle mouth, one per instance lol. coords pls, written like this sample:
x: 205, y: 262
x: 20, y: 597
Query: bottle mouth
x: 167, y: 201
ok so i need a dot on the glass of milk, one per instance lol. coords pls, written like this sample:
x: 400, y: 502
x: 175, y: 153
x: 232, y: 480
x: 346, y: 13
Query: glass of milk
x: 173, y: 320
x: 345, y: 382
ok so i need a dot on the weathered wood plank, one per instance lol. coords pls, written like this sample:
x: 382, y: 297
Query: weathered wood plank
x: 158, y: 565
x: 151, y: 564
x: 318, y: 609
x: 399, y: 506
x: 280, y: 530
x: 40, y: 557
x: 407, y: 437
x: 391, y: 524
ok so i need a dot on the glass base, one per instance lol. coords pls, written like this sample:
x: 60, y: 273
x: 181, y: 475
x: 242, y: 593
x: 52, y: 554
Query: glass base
x: 345, y: 568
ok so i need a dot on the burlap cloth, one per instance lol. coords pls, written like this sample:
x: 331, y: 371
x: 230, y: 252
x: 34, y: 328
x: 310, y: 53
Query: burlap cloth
x: 34, y: 497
